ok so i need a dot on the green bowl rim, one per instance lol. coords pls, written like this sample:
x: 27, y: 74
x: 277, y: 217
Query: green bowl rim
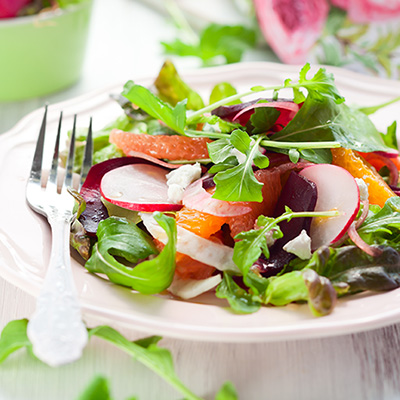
x: 43, y: 16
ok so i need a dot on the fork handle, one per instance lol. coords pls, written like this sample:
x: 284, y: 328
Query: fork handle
x: 56, y: 330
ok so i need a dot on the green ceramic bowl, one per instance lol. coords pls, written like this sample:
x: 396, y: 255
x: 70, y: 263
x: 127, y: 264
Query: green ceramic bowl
x: 43, y: 53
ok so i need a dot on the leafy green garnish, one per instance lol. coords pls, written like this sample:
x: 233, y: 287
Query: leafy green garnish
x: 228, y: 42
x: 174, y: 117
x: 148, y: 353
x: 119, y: 238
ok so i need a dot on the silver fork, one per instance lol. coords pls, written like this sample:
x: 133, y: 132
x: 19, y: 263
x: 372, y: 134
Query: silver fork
x: 56, y: 330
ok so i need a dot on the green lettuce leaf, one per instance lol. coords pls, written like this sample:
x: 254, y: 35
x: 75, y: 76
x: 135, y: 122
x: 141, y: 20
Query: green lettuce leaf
x: 221, y: 91
x: 352, y: 270
x: 119, y: 238
x: 304, y: 285
x: 172, y: 89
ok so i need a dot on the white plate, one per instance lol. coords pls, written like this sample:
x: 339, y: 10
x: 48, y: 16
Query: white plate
x: 25, y: 236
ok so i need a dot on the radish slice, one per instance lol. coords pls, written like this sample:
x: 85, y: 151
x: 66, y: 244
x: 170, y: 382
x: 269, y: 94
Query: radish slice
x: 197, y: 198
x: 189, y: 288
x: 138, y: 187
x: 200, y: 249
x: 337, y: 190
x: 288, y: 110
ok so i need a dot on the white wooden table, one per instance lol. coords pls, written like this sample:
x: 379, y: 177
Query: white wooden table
x: 123, y: 44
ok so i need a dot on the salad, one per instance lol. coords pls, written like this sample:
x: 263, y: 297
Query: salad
x: 265, y: 200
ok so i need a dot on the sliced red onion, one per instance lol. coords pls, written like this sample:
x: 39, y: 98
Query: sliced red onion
x: 288, y: 110
x: 364, y: 213
x: 365, y: 247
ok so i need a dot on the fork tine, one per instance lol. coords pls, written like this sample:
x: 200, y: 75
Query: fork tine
x: 87, y: 158
x: 54, y: 163
x: 70, y: 161
x: 36, y: 169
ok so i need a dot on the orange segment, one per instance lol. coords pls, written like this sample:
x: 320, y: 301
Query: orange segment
x: 270, y: 192
x: 378, y: 190
x: 198, y: 222
x: 172, y: 147
x: 188, y: 268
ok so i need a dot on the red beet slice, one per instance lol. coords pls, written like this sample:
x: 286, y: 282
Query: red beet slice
x: 291, y: 27
x: 299, y: 194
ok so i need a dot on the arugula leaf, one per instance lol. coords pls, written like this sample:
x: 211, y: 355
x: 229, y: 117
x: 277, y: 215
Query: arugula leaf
x: 221, y: 91
x: 13, y: 337
x: 151, y: 355
x: 390, y: 138
x: 172, y: 89
x: 119, y: 238
x: 228, y: 42
x: 227, y: 392
x: 239, y: 300
x: 174, y: 117
x: 238, y: 183
x: 98, y: 389
x: 372, y: 109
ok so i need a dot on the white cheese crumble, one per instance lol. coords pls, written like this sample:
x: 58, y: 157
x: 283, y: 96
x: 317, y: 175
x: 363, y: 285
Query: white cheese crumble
x: 300, y: 246
x: 179, y: 179
x: 363, y: 188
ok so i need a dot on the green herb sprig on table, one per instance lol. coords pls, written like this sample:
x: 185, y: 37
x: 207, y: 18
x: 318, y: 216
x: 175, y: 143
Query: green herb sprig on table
x: 146, y: 351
